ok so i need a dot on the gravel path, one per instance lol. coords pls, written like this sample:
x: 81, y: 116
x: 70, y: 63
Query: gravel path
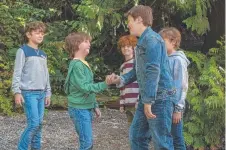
x: 110, y: 132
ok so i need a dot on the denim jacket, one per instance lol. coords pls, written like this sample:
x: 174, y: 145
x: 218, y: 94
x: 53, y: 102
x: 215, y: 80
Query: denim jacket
x: 151, y: 70
x: 178, y: 66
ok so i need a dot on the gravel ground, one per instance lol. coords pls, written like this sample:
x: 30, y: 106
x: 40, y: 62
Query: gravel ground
x: 110, y: 132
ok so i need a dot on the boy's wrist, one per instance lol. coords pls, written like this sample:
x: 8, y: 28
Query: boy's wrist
x: 15, y: 94
x: 105, y: 85
x: 177, y: 109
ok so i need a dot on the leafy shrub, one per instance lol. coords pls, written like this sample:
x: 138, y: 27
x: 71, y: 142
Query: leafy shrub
x: 5, y: 106
x: 205, y: 125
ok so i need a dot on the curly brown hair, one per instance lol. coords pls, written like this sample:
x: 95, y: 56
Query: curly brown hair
x: 127, y: 40
x: 73, y: 40
x: 32, y: 26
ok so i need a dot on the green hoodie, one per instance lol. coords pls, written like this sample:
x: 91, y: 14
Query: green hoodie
x: 80, y: 87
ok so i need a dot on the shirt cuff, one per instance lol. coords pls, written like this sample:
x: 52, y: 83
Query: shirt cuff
x: 17, y: 92
x: 178, y: 109
x: 122, y: 83
x: 48, y: 94
x: 148, y: 101
x: 96, y: 105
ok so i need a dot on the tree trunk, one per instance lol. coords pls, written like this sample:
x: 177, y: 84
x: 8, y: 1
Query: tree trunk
x: 216, y: 17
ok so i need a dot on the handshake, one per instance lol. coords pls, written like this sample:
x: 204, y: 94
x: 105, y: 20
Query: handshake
x: 112, y: 79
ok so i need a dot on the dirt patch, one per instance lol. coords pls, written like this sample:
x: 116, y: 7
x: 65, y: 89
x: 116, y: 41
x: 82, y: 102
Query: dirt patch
x: 110, y: 132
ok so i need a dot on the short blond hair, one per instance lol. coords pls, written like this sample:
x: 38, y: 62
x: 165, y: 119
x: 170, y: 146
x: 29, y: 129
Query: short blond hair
x: 172, y: 34
x: 73, y: 40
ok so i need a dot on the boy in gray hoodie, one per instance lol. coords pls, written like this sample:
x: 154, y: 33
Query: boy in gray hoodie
x: 178, y: 66
x: 30, y: 85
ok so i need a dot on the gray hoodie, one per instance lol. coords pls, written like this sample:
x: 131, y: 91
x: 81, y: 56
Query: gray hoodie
x: 178, y: 66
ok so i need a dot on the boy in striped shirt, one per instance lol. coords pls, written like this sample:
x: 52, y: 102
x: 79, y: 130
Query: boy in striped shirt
x: 129, y: 93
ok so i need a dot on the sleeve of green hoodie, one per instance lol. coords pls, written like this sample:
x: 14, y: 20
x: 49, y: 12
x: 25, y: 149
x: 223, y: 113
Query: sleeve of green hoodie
x: 82, y: 81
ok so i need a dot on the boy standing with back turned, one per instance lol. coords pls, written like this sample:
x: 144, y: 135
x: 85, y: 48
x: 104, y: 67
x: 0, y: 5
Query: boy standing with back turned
x: 178, y: 66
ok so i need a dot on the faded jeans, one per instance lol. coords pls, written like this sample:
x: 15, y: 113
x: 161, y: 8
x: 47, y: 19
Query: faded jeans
x: 34, y: 105
x: 143, y: 130
x: 82, y: 120
x: 178, y: 138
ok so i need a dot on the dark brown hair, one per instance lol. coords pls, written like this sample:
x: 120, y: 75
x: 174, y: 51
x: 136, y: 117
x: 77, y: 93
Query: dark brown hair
x: 127, y: 40
x: 145, y: 12
x: 73, y: 40
x: 172, y: 34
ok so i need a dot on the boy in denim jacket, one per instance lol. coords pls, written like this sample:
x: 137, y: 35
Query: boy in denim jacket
x: 81, y: 89
x: 153, y: 115
x: 178, y: 66
x: 31, y: 85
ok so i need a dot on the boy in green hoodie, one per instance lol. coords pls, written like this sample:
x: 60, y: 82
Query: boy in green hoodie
x: 80, y: 88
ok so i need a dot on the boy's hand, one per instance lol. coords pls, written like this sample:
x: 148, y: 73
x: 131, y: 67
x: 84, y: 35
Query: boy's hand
x: 97, y: 112
x: 121, y: 109
x: 112, y: 79
x: 177, y: 117
x: 47, y: 101
x: 116, y: 79
x: 147, y: 111
x: 19, y: 99
x: 108, y: 80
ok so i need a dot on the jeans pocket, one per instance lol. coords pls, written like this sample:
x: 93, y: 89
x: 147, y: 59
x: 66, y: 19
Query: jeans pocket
x: 25, y: 94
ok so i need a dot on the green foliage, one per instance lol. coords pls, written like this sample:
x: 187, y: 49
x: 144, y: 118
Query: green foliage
x: 219, y: 53
x: 98, y: 67
x: 205, y: 123
x: 197, y: 14
x: 5, y: 106
x: 197, y: 23
x: 58, y: 101
x: 94, y: 15
x: 104, y: 21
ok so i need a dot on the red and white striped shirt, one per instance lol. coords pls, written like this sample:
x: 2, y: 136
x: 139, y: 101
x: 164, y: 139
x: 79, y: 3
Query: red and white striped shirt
x: 129, y: 93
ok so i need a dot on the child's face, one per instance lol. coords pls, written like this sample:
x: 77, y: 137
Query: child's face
x: 127, y: 50
x: 85, y: 47
x: 35, y: 36
x: 134, y: 25
x: 170, y: 45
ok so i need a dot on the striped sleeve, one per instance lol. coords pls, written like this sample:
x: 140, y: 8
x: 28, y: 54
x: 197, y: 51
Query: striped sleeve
x: 129, y: 93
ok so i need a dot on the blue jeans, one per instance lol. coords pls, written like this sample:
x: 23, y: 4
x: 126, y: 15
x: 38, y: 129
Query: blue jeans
x: 82, y: 120
x: 142, y: 130
x: 34, y: 105
x: 178, y: 138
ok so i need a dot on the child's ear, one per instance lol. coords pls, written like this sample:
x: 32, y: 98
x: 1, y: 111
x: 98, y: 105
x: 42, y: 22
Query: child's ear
x: 174, y: 43
x: 28, y: 34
